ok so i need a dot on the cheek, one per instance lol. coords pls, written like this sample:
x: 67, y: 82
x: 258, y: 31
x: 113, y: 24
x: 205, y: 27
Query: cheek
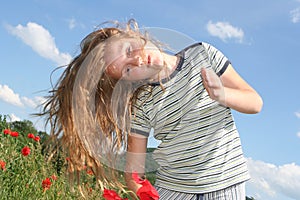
x: 113, y: 72
x: 140, y: 73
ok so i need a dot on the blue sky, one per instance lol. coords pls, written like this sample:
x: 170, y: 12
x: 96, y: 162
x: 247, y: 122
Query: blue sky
x: 261, y: 38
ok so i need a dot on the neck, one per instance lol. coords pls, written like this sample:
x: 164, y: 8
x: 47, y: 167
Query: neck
x: 171, y: 63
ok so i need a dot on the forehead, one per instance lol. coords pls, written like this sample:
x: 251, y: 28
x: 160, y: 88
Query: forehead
x: 118, y: 42
x: 117, y: 46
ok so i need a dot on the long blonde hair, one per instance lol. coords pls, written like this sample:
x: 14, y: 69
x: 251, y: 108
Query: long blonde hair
x: 83, y: 112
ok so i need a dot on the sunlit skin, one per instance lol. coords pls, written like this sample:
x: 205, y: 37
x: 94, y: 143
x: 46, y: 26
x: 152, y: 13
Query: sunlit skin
x: 130, y: 60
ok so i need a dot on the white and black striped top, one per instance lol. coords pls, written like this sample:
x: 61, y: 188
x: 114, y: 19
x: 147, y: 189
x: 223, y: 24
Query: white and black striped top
x: 200, y: 149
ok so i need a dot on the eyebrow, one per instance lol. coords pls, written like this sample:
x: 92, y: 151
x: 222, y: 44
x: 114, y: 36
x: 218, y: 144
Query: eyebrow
x: 121, y: 44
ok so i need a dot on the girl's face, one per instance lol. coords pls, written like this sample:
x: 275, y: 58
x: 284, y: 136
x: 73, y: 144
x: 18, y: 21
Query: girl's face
x: 131, y: 59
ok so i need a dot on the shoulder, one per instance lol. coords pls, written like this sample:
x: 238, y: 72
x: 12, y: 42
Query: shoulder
x: 201, y: 47
x: 204, y: 50
x: 193, y: 46
x: 204, y: 45
x: 192, y: 49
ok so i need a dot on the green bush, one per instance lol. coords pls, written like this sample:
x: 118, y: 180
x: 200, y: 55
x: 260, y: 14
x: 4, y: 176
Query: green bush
x: 31, y: 175
x: 26, y: 172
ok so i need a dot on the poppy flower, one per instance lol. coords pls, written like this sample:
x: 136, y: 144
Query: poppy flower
x: 25, y: 151
x: 147, y: 191
x: 6, y: 131
x: 89, y: 172
x: 137, y: 178
x: 46, y: 183
x: 53, y: 177
x: 37, y: 138
x: 111, y: 195
x: 30, y: 135
x: 14, y: 134
x: 2, y: 165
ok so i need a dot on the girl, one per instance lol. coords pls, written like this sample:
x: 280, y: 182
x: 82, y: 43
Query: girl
x: 122, y: 85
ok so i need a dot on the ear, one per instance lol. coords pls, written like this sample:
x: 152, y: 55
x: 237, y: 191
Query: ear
x: 111, y: 69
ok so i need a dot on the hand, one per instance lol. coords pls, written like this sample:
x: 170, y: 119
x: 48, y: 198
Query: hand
x: 146, y: 191
x: 213, y: 85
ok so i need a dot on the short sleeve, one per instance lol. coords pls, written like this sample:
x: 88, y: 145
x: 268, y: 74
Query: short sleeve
x: 140, y: 122
x: 218, y: 60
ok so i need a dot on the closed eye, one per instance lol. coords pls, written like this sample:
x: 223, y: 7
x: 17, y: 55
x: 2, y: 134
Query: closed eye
x: 128, y: 51
x: 127, y: 70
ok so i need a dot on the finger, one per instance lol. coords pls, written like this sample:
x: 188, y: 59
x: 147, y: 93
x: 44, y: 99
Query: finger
x: 204, y: 75
x: 213, y: 80
x: 207, y: 88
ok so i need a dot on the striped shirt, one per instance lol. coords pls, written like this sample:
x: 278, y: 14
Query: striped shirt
x: 200, y: 149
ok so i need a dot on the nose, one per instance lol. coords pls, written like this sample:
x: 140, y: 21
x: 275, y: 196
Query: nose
x: 138, y: 61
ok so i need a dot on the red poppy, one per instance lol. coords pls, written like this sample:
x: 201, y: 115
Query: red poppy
x: 46, y: 183
x: 14, y: 134
x: 137, y: 178
x: 147, y: 191
x: 89, y: 172
x: 2, y: 165
x: 30, y: 135
x: 26, y: 151
x: 111, y: 195
x: 6, y: 131
x: 37, y: 138
x: 53, y: 177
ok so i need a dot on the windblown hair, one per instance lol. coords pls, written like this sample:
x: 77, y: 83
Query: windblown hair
x: 90, y: 111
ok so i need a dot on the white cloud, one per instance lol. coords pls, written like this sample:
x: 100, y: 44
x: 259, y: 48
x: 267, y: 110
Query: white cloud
x: 29, y: 102
x: 298, y: 134
x: 295, y: 15
x: 275, y: 180
x: 72, y: 23
x: 41, y: 41
x: 8, y: 95
x: 39, y: 99
x: 14, y: 118
x: 33, y: 103
x: 225, y: 31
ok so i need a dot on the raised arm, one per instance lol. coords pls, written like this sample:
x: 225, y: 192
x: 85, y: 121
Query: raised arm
x: 232, y: 90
